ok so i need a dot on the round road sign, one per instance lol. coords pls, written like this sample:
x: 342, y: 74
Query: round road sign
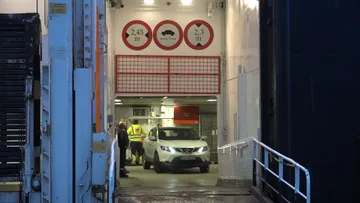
x: 168, y: 35
x: 137, y: 35
x: 198, y: 34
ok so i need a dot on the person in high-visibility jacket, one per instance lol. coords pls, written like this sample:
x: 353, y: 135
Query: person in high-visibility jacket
x: 136, y: 134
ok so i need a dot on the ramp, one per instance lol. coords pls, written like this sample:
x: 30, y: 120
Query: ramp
x: 187, y: 195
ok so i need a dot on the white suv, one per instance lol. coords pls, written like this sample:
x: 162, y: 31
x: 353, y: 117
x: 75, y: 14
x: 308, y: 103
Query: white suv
x: 175, y: 147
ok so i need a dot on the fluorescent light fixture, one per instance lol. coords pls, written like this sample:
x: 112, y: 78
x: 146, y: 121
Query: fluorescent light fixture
x: 186, y: 2
x: 149, y: 2
x: 118, y: 103
x: 117, y: 100
x: 212, y: 100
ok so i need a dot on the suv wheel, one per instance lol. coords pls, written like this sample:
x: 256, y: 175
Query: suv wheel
x: 146, y: 164
x: 157, y: 166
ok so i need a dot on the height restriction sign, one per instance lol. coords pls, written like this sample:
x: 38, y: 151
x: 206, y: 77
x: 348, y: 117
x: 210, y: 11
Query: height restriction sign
x: 137, y: 35
x: 198, y: 34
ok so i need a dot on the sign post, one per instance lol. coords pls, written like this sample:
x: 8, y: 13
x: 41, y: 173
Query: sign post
x: 137, y: 35
x: 198, y: 34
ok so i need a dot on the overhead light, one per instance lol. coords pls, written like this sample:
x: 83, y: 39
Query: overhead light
x: 149, y: 2
x: 186, y: 2
x: 117, y: 100
x: 212, y: 100
x: 118, y: 103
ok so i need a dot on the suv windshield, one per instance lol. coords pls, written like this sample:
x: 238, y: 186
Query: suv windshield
x: 178, y: 134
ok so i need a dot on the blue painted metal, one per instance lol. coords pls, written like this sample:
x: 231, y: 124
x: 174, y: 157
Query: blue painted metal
x: 266, y: 159
x: 87, y: 34
x: 93, y: 18
x: 320, y: 86
x: 101, y: 6
x: 112, y: 171
x: 61, y: 101
x: 35, y: 197
x: 100, y: 159
x: 89, y: 56
x: 79, y: 33
x: 10, y: 197
x: 29, y: 147
x: 281, y: 168
x: 297, y: 179
x: 46, y: 129
x: 83, y: 131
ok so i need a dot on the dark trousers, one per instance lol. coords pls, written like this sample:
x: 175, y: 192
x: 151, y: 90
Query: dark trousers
x: 137, y: 147
x: 122, y: 161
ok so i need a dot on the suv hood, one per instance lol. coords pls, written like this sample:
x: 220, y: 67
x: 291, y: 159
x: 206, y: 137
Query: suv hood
x: 182, y: 143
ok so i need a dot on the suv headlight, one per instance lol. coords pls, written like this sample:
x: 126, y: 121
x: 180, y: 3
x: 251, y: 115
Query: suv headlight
x: 168, y: 149
x: 203, y: 149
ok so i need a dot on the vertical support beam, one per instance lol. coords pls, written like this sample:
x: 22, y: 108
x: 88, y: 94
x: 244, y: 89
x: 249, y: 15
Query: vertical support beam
x: 103, y: 68
x: 98, y: 73
x: 297, y: 179
x: 79, y: 150
x: 61, y: 99
x: 46, y: 129
x: 79, y: 34
x: 93, y: 31
x: 221, y: 106
x: 29, y: 149
x: 87, y: 34
x: 168, y: 74
x: 89, y: 42
x: 83, y: 140
x: 254, y: 165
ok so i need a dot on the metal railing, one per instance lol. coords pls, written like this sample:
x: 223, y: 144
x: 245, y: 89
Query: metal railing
x: 271, y: 154
x: 112, y: 172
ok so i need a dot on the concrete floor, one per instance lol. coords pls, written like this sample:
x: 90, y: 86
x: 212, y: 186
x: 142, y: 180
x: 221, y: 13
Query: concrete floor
x: 183, y: 186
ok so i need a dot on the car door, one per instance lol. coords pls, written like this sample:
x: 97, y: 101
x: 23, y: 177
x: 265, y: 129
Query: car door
x: 147, y: 145
x: 152, y: 143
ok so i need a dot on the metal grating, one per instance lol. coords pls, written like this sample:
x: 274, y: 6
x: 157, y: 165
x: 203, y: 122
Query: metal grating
x: 167, y: 74
x: 19, y: 53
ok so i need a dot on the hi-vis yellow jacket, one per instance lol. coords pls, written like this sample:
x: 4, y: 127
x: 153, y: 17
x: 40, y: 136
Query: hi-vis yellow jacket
x: 135, y: 133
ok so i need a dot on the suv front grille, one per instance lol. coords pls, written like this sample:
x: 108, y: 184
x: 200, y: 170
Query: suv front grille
x: 187, y: 150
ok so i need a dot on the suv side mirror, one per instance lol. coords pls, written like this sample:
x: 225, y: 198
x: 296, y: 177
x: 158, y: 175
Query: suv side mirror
x: 152, y: 138
x: 204, y: 137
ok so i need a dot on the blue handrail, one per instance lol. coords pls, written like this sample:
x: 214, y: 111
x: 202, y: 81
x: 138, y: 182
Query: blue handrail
x: 281, y: 160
